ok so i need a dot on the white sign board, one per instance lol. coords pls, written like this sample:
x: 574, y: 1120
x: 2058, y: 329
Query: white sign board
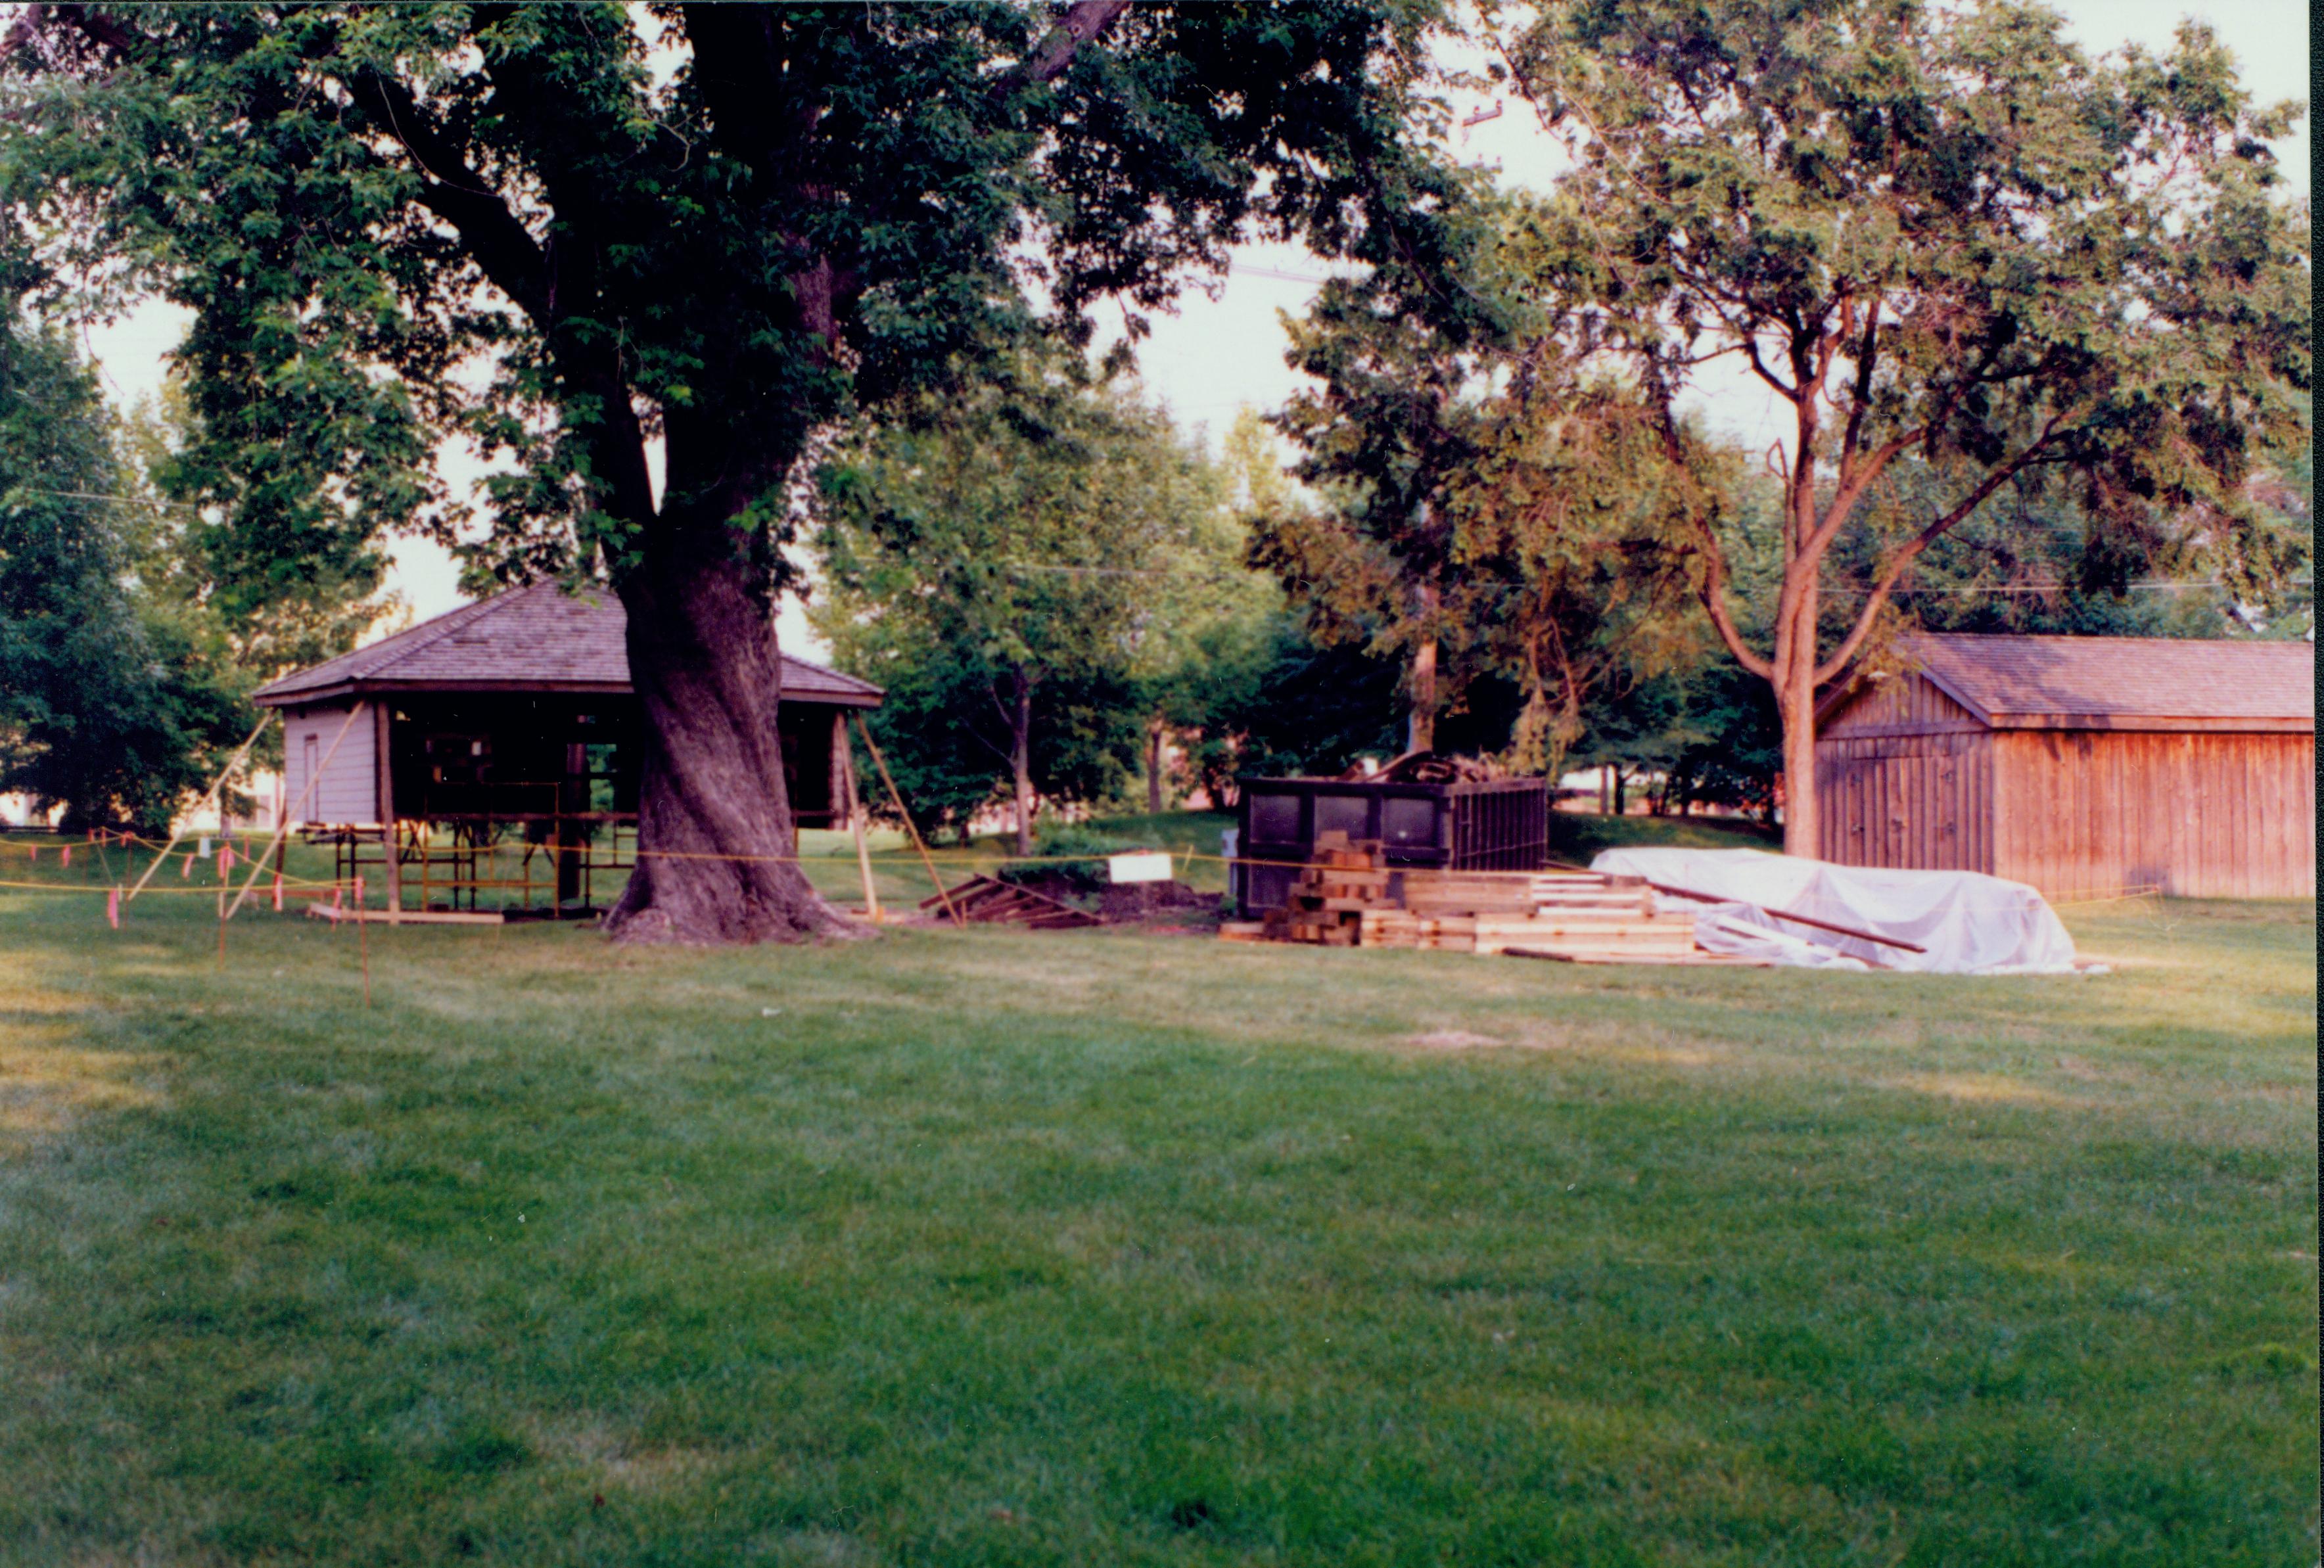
x: 1139, y: 867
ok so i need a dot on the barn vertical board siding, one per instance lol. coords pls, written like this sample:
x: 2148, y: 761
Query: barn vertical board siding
x: 2033, y: 803
x: 2001, y: 862
x: 1906, y: 775
x: 2245, y: 847
x: 1981, y: 810
x: 2064, y: 816
x: 2020, y: 755
x: 2204, y: 815
x: 2223, y: 824
x: 2234, y: 835
x: 2299, y: 763
x: 1911, y: 779
x: 2275, y: 800
x: 2102, y: 867
x: 2142, y: 809
x: 2243, y: 844
x: 2190, y: 816
x: 2276, y: 870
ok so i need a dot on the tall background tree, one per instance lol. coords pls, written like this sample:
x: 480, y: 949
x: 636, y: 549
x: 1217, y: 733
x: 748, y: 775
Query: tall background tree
x: 1485, y: 513
x: 1018, y: 562
x: 119, y: 684
x: 1935, y: 234
x: 712, y: 229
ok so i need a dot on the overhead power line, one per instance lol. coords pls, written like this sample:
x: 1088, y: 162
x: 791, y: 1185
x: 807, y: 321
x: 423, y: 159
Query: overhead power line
x: 1252, y: 270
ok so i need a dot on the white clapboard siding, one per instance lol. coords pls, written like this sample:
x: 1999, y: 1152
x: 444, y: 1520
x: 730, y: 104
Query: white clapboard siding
x: 348, y: 790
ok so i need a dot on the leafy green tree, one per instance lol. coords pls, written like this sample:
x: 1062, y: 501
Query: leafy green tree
x: 1937, y: 231
x: 117, y: 691
x: 1482, y: 510
x: 278, y: 611
x: 1013, y: 553
x: 1228, y: 626
x: 2032, y: 560
x: 577, y: 234
x: 1278, y: 702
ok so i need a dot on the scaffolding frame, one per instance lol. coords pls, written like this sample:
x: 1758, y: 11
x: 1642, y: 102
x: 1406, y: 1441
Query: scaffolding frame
x: 458, y: 861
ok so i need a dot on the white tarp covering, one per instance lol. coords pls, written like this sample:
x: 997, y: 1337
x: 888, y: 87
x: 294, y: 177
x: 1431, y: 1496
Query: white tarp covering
x: 1967, y: 922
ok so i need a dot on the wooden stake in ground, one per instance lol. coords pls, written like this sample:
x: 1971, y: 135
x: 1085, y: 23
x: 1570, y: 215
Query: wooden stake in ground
x: 855, y: 819
x: 283, y: 818
x: 217, y: 788
x: 897, y: 796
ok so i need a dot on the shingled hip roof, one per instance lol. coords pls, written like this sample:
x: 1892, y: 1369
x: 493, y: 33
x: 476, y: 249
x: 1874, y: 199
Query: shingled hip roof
x: 535, y: 639
x: 2123, y: 683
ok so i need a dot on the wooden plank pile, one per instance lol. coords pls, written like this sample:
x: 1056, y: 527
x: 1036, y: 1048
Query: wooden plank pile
x: 989, y: 900
x: 1349, y: 897
x: 1332, y: 896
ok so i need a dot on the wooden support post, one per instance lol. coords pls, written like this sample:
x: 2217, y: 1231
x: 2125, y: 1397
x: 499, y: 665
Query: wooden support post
x: 217, y: 790
x: 898, y: 796
x: 382, y: 727
x: 856, y: 816
x: 566, y: 832
x: 282, y: 825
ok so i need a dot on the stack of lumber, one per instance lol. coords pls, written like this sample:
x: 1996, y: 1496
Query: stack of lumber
x: 989, y: 900
x: 1564, y: 914
x: 1403, y: 929
x: 1349, y: 897
x: 1332, y: 895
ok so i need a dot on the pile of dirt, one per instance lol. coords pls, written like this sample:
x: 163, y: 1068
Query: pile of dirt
x: 1064, y: 885
x: 1143, y: 901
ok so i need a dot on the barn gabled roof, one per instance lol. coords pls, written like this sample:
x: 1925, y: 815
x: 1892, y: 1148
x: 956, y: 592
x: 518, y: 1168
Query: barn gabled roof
x: 2112, y: 683
x: 535, y: 639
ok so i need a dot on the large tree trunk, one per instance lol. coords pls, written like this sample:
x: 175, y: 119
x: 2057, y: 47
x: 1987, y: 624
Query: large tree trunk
x: 1795, y: 688
x: 1797, y: 700
x: 716, y: 844
x: 1155, y: 802
x: 1420, y: 729
x: 1020, y: 761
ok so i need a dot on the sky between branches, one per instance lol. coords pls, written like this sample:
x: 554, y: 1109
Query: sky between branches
x: 1212, y: 355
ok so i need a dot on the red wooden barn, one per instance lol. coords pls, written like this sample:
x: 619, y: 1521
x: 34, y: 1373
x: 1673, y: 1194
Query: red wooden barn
x: 2079, y: 764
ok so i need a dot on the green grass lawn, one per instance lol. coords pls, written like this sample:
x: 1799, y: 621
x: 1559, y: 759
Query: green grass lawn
x: 1092, y: 1247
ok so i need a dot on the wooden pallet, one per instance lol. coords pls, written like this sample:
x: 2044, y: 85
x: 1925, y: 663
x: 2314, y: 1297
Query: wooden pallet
x: 989, y: 900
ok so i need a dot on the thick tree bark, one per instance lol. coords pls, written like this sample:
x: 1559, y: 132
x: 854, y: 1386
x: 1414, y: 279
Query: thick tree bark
x: 1420, y: 732
x: 716, y: 846
x: 1156, y: 803
x: 1795, y: 680
x: 1801, y: 816
x: 1020, y: 761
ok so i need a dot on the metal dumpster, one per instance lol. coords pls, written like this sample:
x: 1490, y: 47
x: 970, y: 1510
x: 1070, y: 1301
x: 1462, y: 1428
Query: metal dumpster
x: 1489, y: 825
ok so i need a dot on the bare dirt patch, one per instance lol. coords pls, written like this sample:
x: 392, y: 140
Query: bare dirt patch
x: 1456, y: 1040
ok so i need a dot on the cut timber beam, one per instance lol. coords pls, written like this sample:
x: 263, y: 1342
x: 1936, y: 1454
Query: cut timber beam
x: 407, y: 916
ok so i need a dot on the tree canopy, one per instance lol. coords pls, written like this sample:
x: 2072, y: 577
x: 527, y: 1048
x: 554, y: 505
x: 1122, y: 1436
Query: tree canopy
x: 1942, y: 233
x: 118, y: 690
x: 1479, y: 509
x: 1019, y: 562
x: 579, y: 235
